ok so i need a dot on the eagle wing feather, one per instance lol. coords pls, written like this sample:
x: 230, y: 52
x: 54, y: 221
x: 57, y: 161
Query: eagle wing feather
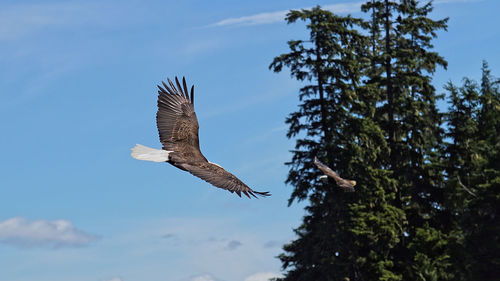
x: 344, y: 184
x: 177, y: 122
x: 219, y: 177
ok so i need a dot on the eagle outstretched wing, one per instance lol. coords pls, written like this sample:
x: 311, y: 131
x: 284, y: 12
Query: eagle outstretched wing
x: 347, y: 185
x: 219, y: 177
x: 176, y: 120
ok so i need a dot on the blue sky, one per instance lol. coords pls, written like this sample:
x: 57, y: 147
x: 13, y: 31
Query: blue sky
x: 77, y: 82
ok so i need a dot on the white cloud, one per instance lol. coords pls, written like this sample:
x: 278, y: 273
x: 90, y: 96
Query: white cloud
x: 169, y: 236
x: 344, y: 7
x: 115, y: 279
x: 59, y: 233
x: 203, y: 277
x: 262, y: 18
x: 233, y: 244
x: 262, y: 276
x: 279, y: 16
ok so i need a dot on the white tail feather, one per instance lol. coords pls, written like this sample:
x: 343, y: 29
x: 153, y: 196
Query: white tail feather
x: 141, y: 152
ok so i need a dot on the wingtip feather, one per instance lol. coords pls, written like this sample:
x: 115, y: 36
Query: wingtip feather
x: 172, y: 87
x: 192, y: 95
x: 246, y: 193
x: 260, y: 193
x: 179, y: 87
x: 184, y: 85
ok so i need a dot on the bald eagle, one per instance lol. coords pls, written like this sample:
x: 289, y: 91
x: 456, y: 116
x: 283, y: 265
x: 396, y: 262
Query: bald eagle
x: 347, y: 185
x: 178, y: 129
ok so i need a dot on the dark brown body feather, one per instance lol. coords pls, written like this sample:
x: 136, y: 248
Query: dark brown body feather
x: 178, y: 129
x: 347, y: 185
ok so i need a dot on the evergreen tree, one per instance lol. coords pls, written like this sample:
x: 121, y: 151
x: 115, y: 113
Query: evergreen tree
x: 331, y: 60
x: 402, y: 67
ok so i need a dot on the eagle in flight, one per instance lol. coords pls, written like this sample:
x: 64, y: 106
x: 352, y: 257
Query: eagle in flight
x: 178, y: 129
x: 347, y: 185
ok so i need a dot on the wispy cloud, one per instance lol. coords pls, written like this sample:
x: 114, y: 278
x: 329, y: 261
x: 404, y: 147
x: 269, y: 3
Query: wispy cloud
x: 262, y: 276
x: 59, y: 233
x: 201, y: 277
x: 168, y: 236
x: 115, y: 279
x: 233, y: 244
x: 262, y: 18
x: 279, y: 16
